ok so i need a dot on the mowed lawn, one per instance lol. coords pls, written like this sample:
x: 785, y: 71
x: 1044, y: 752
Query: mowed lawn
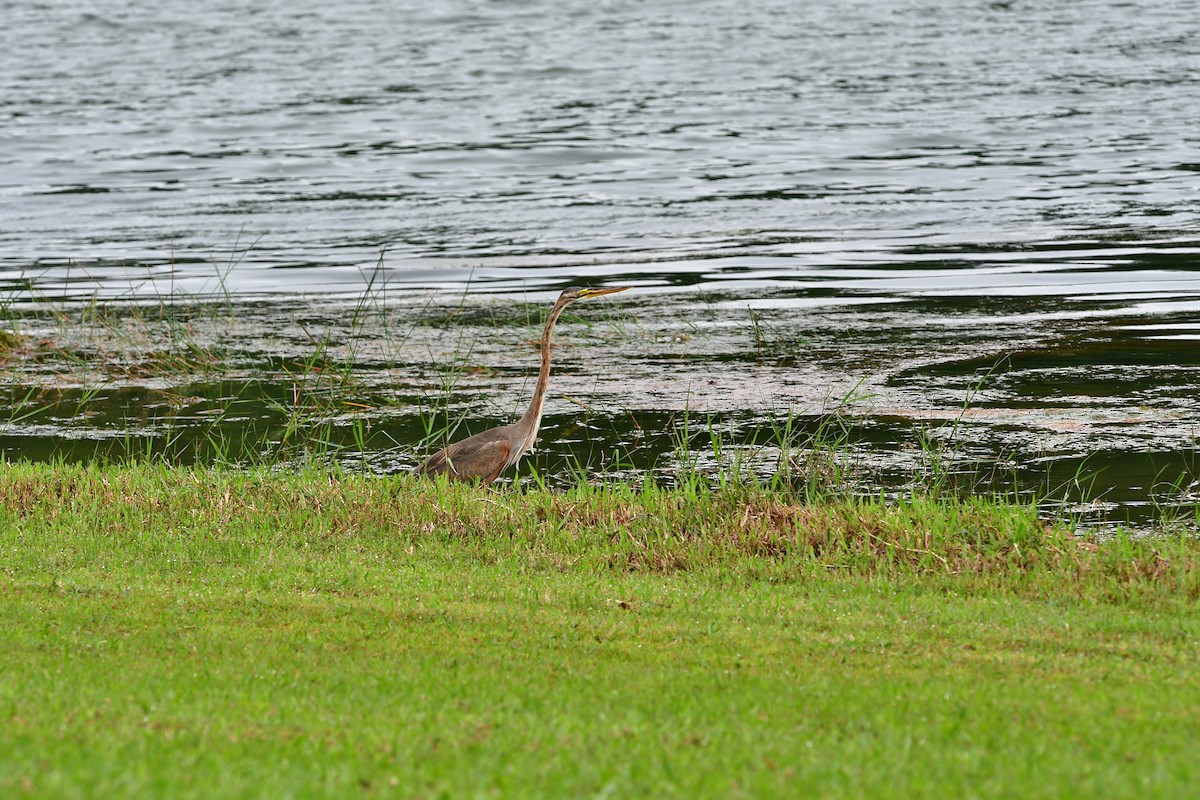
x: 198, y: 633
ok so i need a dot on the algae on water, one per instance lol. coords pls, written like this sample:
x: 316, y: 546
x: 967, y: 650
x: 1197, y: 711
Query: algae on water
x: 9, y: 341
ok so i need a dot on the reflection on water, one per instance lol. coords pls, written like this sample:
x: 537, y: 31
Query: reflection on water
x: 978, y: 221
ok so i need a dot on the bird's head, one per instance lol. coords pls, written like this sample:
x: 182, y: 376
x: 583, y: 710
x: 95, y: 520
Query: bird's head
x: 578, y: 293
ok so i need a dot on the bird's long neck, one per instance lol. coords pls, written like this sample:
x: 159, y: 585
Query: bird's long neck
x: 533, y: 415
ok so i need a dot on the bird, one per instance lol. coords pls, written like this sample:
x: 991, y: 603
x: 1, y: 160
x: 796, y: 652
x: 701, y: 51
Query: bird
x: 485, y: 455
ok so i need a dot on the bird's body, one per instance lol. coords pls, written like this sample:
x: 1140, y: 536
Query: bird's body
x: 480, y: 457
x: 485, y: 455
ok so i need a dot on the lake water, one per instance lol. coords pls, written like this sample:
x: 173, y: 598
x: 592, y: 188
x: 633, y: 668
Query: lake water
x: 980, y: 221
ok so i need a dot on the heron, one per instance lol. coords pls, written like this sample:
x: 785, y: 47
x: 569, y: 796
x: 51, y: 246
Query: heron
x: 485, y: 455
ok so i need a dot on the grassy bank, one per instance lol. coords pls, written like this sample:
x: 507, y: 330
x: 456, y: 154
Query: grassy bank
x: 187, y: 632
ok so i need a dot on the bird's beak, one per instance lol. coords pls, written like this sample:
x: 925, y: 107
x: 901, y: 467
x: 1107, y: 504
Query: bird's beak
x: 598, y: 292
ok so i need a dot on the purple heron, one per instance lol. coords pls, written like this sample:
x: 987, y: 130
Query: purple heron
x: 484, y: 456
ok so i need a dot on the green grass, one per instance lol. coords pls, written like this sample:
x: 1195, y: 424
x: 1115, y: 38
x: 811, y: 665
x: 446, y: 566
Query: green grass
x: 214, y: 633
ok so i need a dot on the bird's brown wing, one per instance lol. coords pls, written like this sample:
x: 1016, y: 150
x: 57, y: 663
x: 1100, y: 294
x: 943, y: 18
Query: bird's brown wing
x: 480, y: 457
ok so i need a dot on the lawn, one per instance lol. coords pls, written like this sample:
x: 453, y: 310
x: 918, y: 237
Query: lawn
x: 191, y: 632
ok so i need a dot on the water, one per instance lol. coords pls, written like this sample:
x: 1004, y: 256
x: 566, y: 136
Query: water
x: 807, y: 198
x: 514, y: 134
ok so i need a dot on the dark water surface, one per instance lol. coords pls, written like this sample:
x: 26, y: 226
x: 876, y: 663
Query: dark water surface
x: 926, y: 206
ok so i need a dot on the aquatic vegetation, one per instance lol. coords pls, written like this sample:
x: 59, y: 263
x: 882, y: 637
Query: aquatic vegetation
x: 827, y: 404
